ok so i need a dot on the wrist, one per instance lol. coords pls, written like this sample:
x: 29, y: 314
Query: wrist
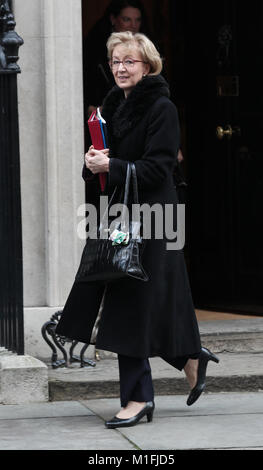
x: 107, y: 166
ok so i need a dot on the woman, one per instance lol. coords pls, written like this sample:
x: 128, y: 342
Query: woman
x: 120, y: 15
x: 141, y: 319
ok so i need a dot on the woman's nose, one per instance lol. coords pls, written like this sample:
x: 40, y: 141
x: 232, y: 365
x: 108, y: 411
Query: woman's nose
x: 121, y: 66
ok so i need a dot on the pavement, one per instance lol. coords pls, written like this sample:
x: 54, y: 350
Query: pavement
x: 217, y: 421
x: 228, y: 416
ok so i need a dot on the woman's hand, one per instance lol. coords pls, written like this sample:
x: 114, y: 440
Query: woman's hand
x: 91, y: 109
x: 97, y: 161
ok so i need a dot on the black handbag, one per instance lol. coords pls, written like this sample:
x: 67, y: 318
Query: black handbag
x: 103, y: 259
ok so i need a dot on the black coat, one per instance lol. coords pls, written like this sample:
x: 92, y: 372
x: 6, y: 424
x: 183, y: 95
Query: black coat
x: 140, y: 319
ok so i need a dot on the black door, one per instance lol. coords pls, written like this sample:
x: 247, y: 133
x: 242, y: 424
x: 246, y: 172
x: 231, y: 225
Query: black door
x: 223, y: 96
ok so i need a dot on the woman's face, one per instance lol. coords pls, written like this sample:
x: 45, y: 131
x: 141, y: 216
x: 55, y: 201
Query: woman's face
x: 129, y: 19
x: 128, y: 74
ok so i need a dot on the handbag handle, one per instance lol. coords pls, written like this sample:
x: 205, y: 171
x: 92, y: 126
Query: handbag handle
x: 130, y: 174
x: 127, y: 185
x: 134, y: 184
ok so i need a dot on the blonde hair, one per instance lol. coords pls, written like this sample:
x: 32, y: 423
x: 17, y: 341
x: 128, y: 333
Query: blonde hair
x: 149, y: 53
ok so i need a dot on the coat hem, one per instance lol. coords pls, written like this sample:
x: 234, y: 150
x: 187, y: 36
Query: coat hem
x: 150, y: 355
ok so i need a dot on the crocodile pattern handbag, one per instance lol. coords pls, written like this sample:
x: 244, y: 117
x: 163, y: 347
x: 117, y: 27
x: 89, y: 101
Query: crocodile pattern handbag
x: 110, y: 259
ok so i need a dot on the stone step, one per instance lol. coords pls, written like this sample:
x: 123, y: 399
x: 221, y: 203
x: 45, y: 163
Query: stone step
x: 238, y: 344
x: 235, y: 372
x: 239, y: 335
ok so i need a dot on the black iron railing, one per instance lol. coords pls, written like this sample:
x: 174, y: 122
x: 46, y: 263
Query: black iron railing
x: 11, y: 280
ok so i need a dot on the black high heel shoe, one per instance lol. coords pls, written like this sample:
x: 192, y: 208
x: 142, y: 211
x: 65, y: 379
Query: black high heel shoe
x: 124, y: 423
x: 204, y: 358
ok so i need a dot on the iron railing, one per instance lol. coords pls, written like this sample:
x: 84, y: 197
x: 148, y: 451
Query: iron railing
x: 11, y: 279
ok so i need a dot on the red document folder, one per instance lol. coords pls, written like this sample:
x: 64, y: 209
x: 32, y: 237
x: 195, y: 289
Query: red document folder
x: 98, y: 140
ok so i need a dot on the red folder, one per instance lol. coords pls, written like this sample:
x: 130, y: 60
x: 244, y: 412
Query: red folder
x: 98, y: 141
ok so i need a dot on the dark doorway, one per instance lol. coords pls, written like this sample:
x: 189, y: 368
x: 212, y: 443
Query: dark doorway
x: 221, y: 87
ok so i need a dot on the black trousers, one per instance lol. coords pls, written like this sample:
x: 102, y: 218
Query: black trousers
x: 136, y: 377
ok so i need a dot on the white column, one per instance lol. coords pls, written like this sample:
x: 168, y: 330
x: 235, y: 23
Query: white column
x: 63, y: 142
x: 51, y: 127
x: 32, y: 121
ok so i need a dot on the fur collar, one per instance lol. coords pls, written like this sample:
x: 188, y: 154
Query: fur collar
x: 123, y: 114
